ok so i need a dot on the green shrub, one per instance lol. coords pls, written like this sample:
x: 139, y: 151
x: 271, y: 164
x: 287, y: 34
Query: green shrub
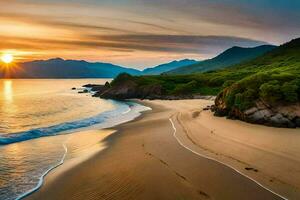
x: 249, y: 97
x: 216, y: 81
x: 121, y: 78
x: 238, y: 101
x: 228, y: 83
x: 271, y: 92
x: 289, y: 90
x: 187, y: 88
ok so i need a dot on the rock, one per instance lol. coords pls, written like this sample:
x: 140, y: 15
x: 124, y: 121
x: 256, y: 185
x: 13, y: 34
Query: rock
x: 260, y: 117
x: 220, y: 107
x: 100, y: 89
x: 126, y: 90
x: 288, y: 114
x: 262, y: 105
x: 285, y: 116
x: 251, y: 111
x: 90, y: 85
x: 84, y: 91
x: 297, y: 122
x: 279, y: 121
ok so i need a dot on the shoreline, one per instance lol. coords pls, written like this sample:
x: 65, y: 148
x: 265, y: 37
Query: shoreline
x: 112, y: 143
x: 42, y: 178
x: 218, y: 161
x: 66, y: 163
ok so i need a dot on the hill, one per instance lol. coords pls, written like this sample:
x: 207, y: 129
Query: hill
x: 265, y: 90
x: 269, y: 93
x: 229, y: 57
x: 168, y: 67
x: 59, y: 68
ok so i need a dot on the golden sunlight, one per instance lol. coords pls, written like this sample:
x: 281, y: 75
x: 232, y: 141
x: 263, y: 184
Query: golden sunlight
x: 8, y: 92
x: 7, y: 58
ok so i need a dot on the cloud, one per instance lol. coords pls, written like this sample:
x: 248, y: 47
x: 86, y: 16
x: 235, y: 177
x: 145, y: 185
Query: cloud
x: 168, y: 28
x: 130, y: 43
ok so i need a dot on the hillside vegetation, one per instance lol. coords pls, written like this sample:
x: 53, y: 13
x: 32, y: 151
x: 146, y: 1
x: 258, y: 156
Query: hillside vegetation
x: 273, y: 77
x: 261, y: 90
x: 167, y: 67
x: 234, y: 55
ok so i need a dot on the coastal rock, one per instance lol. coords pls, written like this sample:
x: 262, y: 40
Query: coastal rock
x: 279, y: 121
x: 83, y: 91
x: 220, y: 108
x: 120, y: 92
x: 297, y: 122
x: 100, y: 89
x: 251, y: 111
x: 97, y: 88
x: 261, y: 113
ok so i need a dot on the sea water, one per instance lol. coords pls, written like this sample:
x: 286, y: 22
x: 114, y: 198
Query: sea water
x: 35, y: 117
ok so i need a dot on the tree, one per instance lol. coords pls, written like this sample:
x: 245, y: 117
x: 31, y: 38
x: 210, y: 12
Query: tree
x: 271, y: 92
x: 289, y: 90
x: 228, y: 83
x: 187, y: 88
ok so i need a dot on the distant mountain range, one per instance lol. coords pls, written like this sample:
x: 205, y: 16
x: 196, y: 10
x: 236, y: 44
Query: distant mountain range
x: 168, y: 67
x: 234, y: 55
x: 60, y: 68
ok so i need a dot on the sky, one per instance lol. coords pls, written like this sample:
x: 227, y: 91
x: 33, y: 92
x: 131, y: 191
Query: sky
x: 142, y: 33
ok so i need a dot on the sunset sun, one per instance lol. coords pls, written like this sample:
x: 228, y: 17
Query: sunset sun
x: 7, y: 58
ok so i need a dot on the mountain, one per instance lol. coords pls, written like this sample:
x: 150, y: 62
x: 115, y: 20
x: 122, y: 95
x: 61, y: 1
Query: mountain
x: 264, y: 90
x: 268, y: 91
x: 283, y: 58
x: 59, y: 68
x: 229, y: 57
x: 168, y: 67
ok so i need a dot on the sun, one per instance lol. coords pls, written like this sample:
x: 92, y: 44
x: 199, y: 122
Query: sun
x: 7, y: 58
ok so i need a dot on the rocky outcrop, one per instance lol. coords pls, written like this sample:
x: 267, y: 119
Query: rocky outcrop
x: 273, y: 116
x: 97, y: 88
x: 130, y: 90
x: 283, y: 116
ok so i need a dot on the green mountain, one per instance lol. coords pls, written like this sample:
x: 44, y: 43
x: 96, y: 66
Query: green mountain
x: 273, y: 78
x: 168, y: 66
x: 229, y: 57
x: 281, y: 64
x: 264, y: 90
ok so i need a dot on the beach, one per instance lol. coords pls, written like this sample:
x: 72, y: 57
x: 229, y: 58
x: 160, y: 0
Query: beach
x: 179, y: 151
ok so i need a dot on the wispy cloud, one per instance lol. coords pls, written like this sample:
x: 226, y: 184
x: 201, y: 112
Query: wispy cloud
x: 129, y: 30
x: 155, y: 43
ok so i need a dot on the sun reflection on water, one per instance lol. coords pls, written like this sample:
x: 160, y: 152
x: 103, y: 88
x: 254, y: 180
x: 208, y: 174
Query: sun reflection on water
x: 8, y: 91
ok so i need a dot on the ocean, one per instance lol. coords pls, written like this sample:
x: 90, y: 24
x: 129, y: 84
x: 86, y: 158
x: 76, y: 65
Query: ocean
x: 37, y: 118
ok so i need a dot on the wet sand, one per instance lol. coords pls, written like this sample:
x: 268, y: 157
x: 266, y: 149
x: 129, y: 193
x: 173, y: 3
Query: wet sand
x: 149, y: 158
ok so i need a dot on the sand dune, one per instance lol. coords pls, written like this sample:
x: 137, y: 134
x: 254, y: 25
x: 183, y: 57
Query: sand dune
x: 145, y: 161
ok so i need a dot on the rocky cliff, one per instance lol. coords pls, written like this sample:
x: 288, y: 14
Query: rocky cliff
x: 283, y: 116
x: 130, y: 90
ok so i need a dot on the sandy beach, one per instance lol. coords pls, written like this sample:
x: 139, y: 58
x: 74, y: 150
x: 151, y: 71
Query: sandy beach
x: 178, y: 151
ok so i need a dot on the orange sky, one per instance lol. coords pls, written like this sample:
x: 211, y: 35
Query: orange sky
x: 141, y: 33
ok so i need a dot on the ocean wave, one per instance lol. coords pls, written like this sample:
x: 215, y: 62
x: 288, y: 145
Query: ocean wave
x: 107, y: 119
x: 42, y: 177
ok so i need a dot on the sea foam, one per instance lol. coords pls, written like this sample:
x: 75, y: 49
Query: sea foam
x: 124, y: 111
